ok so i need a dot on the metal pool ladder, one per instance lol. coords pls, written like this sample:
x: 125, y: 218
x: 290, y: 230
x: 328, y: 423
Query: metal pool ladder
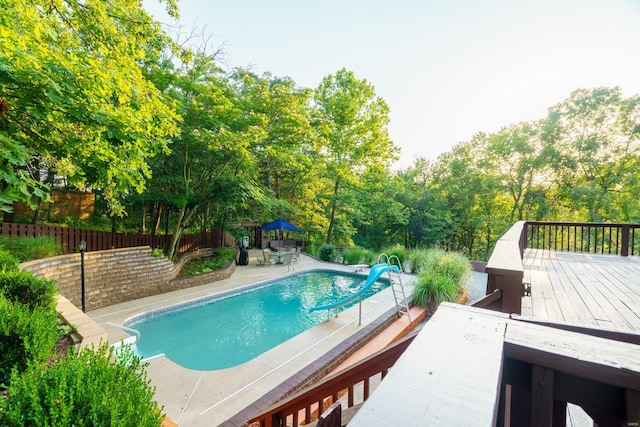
x: 396, y: 283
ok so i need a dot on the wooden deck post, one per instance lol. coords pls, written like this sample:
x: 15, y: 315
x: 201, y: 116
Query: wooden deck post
x: 510, y: 283
x: 624, y: 246
x: 505, y: 270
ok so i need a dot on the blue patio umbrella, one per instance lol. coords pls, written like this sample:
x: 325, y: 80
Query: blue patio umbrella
x: 280, y: 224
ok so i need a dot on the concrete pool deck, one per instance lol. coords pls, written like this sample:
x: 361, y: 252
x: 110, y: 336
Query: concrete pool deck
x: 208, y: 398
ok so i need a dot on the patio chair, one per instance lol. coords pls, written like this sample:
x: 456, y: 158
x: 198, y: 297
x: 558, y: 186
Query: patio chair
x: 296, y: 257
x: 266, y: 258
x: 291, y: 262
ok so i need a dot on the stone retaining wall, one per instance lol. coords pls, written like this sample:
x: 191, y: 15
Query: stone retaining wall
x: 119, y: 275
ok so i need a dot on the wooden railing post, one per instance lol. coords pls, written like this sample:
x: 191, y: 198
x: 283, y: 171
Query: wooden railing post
x: 624, y: 247
x: 504, y: 269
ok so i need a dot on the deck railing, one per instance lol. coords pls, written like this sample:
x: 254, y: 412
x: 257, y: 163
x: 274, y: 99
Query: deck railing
x: 505, y: 270
x: 304, y: 404
x: 598, y: 238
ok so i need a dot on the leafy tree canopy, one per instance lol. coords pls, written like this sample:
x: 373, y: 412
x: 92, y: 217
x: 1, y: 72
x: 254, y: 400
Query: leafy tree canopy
x: 74, y: 98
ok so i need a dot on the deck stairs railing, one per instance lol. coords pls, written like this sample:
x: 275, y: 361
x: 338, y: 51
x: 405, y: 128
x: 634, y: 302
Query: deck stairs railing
x: 396, y: 283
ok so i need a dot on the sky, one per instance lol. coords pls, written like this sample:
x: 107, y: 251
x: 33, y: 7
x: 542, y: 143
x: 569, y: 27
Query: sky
x: 448, y: 69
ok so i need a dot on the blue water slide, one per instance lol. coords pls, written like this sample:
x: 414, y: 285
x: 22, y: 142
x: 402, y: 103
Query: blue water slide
x: 375, y: 273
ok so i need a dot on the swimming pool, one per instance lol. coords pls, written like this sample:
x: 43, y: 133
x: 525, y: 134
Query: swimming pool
x: 227, y: 330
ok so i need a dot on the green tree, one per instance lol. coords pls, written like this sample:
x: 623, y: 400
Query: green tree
x: 378, y: 215
x: 212, y: 146
x: 594, y: 143
x: 277, y: 105
x: 73, y: 98
x: 352, y: 122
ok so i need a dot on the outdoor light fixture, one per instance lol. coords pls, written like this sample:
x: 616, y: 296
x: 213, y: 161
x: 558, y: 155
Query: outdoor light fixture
x: 83, y: 247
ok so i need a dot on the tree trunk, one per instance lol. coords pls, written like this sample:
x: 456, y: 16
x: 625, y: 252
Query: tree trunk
x: 177, y: 233
x: 334, y: 203
x: 157, y: 216
x: 184, y: 218
x: 36, y: 212
x: 142, y: 223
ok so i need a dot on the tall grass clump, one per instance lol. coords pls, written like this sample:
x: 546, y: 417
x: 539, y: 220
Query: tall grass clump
x: 30, y: 248
x: 357, y: 255
x: 398, y: 251
x: 422, y: 260
x: 442, y: 277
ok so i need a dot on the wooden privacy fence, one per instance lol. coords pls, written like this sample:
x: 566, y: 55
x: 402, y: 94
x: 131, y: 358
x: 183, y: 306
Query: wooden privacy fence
x: 103, y: 240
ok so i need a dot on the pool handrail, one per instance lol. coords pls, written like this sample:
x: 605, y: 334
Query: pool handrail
x: 135, y: 335
x: 374, y: 274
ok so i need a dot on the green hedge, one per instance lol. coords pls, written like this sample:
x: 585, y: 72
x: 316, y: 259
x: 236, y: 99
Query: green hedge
x: 93, y: 388
x: 23, y: 287
x: 328, y: 253
x: 8, y: 262
x: 26, y: 336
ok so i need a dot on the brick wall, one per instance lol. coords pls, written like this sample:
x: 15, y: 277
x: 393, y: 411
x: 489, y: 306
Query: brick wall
x: 119, y: 275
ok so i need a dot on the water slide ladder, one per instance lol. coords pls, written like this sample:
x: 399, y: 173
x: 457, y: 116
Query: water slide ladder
x: 396, y: 284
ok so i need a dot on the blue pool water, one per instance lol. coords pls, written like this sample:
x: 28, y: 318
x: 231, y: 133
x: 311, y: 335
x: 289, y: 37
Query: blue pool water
x: 227, y: 331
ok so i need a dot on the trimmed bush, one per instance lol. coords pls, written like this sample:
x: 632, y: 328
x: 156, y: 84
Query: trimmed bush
x: 92, y: 388
x: 8, y: 262
x: 328, y: 253
x: 23, y: 287
x: 26, y: 336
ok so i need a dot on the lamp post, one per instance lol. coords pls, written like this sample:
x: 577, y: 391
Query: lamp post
x: 82, y: 247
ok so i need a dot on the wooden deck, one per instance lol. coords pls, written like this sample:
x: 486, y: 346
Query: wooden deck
x: 584, y: 289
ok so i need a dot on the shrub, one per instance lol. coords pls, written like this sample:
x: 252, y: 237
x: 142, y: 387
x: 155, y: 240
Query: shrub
x: 78, y: 390
x: 8, y: 262
x: 157, y: 252
x: 328, y: 252
x: 26, y: 336
x: 220, y: 258
x: 30, y: 248
x: 20, y: 286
